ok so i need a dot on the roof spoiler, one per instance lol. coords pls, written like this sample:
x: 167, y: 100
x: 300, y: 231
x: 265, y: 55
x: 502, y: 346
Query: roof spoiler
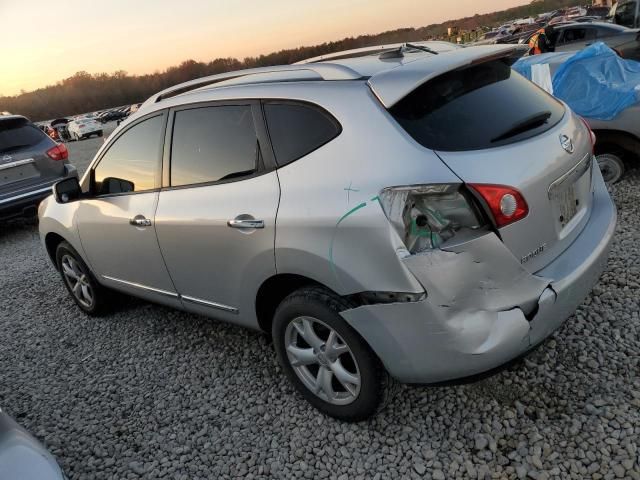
x: 393, y: 85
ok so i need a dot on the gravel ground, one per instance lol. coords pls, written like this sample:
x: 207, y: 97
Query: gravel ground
x: 153, y: 393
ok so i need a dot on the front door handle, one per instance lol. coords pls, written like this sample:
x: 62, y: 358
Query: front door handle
x: 140, y: 221
x: 245, y: 223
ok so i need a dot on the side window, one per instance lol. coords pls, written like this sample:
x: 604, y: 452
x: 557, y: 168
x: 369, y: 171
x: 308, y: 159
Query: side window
x: 626, y: 13
x: 574, y: 35
x: 132, y: 163
x: 591, y: 34
x: 212, y: 144
x: 298, y: 129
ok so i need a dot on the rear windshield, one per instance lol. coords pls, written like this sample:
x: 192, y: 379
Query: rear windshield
x: 483, y: 106
x: 18, y: 135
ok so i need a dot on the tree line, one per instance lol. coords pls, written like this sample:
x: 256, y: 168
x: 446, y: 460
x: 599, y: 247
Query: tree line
x: 85, y: 92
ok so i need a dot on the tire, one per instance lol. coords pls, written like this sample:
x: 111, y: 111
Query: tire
x: 324, y: 369
x: 611, y: 166
x: 68, y: 259
x: 99, y: 133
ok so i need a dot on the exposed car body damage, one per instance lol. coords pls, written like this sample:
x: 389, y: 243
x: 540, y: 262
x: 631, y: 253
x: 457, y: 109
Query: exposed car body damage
x: 482, y: 307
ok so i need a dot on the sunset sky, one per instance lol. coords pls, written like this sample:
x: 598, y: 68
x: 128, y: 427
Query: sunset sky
x: 46, y: 41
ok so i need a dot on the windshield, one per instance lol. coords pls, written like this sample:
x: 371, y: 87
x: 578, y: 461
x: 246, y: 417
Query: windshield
x: 484, y: 106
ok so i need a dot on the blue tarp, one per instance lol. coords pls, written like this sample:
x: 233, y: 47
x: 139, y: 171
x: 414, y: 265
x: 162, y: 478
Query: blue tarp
x: 595, y: 82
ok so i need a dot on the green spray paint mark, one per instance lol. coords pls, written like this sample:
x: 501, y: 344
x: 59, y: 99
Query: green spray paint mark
x: 335, y: 231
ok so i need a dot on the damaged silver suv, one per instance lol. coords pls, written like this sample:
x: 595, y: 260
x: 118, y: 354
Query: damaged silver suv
x: 384, y: 214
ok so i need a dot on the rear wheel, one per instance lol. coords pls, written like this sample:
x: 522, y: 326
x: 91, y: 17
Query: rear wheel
x: 88, y: 294
x: 324, y: 358
x: 611, y: 166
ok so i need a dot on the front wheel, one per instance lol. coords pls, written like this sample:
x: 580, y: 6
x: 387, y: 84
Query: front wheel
x: 324, y: 358
x: 88, y: 294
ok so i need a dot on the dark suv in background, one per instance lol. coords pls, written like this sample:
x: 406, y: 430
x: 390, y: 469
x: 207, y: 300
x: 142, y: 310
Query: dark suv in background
x: 30, y: 163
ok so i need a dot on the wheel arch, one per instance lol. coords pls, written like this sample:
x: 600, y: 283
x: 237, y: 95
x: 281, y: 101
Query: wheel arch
x: 624, y: 140
x: 51, y: 241
x: 274, y: 290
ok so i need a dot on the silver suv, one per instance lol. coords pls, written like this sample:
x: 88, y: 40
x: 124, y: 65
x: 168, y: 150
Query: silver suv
x: 401, y: 214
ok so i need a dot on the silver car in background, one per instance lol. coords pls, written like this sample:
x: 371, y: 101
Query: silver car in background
x: 22, y: 457
x: 398, y: 214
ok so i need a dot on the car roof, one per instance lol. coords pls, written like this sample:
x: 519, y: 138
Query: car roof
x: 611, y: 26
x: 7, y: 118
x: 381, y: 68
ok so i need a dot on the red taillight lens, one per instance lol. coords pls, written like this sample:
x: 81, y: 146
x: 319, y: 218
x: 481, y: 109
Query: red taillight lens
x: 507, y: 204
x: 592, y: 136
x: 59, y: 152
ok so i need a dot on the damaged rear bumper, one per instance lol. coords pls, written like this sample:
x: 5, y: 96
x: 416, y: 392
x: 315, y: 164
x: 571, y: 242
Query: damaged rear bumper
x: 483, y: 309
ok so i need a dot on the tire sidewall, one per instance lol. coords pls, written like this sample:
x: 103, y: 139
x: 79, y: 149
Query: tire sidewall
x: 370, y: 389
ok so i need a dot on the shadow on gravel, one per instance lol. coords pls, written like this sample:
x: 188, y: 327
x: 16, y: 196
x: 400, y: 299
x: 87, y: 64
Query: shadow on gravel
x: 17, y: 225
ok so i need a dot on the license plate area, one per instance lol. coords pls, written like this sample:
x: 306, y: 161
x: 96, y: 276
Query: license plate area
x: 17, y: 174
x: 566, y: 203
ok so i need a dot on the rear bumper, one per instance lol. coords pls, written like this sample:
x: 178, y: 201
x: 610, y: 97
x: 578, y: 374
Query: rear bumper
x: 24, y: 202
x: 490, y: 318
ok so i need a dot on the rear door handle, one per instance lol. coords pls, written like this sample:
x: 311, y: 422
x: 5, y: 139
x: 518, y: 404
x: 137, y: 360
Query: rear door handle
x: 245, y: 223
x: 140, y: 221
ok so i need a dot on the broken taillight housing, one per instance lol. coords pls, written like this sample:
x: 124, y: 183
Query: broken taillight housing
x: 426, y: 216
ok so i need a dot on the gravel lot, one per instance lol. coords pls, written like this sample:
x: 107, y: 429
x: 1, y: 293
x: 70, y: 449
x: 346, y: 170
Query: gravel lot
x: 154, y: 393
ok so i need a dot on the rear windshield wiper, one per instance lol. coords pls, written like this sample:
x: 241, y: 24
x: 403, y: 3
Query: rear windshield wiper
x: 421, y: 47
x: 525, y: 125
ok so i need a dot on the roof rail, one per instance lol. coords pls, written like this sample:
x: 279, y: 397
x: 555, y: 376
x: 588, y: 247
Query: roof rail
x: 326, y: 71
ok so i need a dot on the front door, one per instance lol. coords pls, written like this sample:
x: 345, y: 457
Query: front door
x: 216, y: 218
x: 116, y: 224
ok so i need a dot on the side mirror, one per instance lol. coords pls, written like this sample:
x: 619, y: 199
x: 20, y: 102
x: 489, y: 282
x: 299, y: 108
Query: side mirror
x: 117, y: 185
x: 67, y: 190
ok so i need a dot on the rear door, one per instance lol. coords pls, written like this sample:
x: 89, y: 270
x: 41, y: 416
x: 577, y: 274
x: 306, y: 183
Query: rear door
x: 23, y: 156
x: 492, y: 126
x: 216, y: 216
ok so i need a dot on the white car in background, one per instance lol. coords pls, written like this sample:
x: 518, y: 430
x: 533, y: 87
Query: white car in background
x: 84, y: 127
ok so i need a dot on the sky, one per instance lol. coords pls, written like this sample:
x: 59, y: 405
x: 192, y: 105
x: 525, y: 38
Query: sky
x: 44, y: 41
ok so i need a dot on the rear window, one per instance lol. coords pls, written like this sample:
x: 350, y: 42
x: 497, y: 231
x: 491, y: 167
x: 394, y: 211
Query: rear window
x: 483, y: 106
x: 18, y: 135
x: 298, y: 129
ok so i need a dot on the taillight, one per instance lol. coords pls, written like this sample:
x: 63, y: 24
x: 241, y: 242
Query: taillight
x: 426, y: 216
x: 81, y: 125
x: 59, y: 152
x: 592, y: 136
x: 507, y: 204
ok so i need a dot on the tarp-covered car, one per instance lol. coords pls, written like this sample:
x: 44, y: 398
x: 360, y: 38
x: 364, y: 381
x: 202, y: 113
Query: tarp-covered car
x: 601, y: 87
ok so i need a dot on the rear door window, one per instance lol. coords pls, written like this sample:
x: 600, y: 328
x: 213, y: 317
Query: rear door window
x: 298, y: 129
x: 483, y: 106
x: 16, y: 135
x: 213, y: 144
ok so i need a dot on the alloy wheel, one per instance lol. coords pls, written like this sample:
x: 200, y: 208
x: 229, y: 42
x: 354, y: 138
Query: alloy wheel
x: 78, y: 281
x: 322, y: 360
